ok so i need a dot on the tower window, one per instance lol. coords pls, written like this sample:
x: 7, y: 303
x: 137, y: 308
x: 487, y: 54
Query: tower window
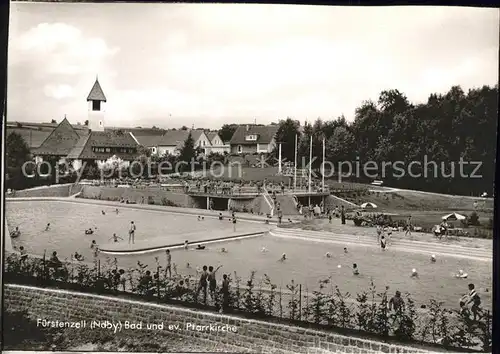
x: 96, y: 105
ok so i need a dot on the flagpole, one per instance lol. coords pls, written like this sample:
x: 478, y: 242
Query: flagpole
x: 310, y: 162
x: 295, y: 166
x: 323, y: 172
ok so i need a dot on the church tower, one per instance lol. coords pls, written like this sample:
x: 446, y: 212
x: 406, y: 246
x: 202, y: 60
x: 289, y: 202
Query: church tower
x: 96, y: 101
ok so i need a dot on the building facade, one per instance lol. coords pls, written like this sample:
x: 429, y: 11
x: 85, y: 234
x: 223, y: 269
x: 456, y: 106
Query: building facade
x: 251, y: 139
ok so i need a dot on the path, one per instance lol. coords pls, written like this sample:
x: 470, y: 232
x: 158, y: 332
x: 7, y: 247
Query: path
x: 479, y: 254
x: 195, y: 238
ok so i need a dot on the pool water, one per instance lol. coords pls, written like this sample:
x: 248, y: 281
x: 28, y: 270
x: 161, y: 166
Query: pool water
x: 306, y: 262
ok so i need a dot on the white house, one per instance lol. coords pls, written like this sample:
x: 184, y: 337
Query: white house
x: 216, y: 144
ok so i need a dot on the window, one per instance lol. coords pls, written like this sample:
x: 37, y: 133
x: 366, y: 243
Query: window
x: 252, y: 137
x: 108, y: 150
x: 203, y: 142
x: 96, y: 105
x: 240, y: 149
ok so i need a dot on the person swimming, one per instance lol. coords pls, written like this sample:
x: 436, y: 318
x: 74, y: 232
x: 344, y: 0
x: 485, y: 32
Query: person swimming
x: 263, y: 250
x: 78, y: 257
x: 355, y: 269
x: 345, y: 250
x: 47, y: 227
x: 15, y: 233
x: 116, y: 210
x: 200, y: 247
x: 199, y: 218
x: 433, y: 258
x: 414, y: 273
x: 115, y: 238
x: 188, y: 265
x: 461, y: 274
x: 103, y: 212
x: 283, y: 257
x: 328, y: 255
x: 89, y: 231
x: 220, y: 216
x: 223, y: 250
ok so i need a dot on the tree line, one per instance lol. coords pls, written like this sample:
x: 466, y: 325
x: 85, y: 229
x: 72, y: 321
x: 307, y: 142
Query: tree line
x: 447, y: 129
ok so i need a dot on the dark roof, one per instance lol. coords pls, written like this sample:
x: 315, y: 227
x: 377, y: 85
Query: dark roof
x: 211, y: 135
x: 148, y: 140
x: 138, y: 131
x: 83, y: 148
x: 96, y: 94
x: 265, y: 134
x: 178, y: 137
x: 33, y: 137
x: 60, y: 141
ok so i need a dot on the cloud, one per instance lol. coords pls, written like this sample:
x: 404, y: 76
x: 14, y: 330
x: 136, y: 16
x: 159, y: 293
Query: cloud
x: 58, y: 91
x: 60, y: 49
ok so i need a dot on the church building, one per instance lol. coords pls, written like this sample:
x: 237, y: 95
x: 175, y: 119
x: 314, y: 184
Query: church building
x: 92, y: 145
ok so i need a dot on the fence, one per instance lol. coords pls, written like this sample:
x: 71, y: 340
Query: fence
x: 328, y: 307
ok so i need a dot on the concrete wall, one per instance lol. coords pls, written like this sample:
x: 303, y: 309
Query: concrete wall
x: 136, y: 194
x: 257, y: 336
x: 58, y: 190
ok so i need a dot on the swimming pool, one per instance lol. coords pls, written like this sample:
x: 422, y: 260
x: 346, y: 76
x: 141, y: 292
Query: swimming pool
x: 306, y: 262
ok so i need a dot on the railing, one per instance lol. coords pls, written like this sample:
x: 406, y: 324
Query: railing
x: 269, y: 200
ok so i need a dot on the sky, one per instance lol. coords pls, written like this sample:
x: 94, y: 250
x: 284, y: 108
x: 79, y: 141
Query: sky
x: 205, y: 65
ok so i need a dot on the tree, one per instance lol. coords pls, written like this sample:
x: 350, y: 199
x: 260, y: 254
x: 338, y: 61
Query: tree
x: 184, y: 127
x: 86, y: 123
x: 53, y: 121
x: 188, y: 151
x: 287, y: 130
x: 16, y: 150
x: 226, y: 132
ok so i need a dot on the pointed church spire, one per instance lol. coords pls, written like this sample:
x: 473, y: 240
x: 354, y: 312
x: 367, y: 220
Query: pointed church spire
x: 96, y: 94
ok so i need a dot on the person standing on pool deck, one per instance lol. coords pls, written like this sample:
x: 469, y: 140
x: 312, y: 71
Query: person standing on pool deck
x: 168, y: 268
x: 342, y: 215
x: 408, y: 226
x: 131, y: 233
x: 234, y: 223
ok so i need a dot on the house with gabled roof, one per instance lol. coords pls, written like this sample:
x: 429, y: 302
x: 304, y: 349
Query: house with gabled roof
x: 172, y: 141
x: 94, y: 145
x: 250, y: 139
x: 217, y: 146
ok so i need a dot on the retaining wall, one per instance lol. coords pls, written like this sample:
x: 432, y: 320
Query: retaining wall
x: 258, y: 336
x: 137, y: 194
x: 58, y: 190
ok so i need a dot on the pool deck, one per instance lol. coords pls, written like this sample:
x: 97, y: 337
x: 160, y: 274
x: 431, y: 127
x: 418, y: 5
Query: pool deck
x: 195, y: 238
